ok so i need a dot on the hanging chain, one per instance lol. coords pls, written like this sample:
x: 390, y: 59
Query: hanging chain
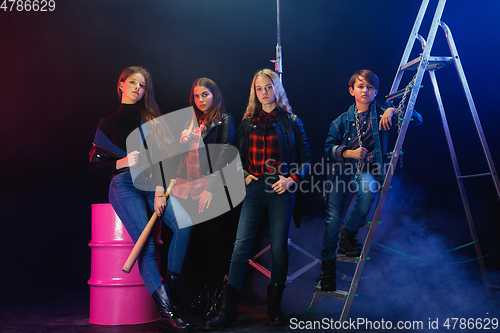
x: 399, y: 110
x: 360, y: 142
x: 398, y: 113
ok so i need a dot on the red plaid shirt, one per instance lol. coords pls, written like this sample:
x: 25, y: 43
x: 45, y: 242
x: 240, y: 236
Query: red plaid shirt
x: 263, y: 149
x: 195, y: 183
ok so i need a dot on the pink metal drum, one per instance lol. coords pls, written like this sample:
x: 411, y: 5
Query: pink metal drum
x: 116, y: 298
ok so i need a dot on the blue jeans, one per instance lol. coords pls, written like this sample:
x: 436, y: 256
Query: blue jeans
x: 364, y: 187
x: 130, y: 204
x: 260, y: 197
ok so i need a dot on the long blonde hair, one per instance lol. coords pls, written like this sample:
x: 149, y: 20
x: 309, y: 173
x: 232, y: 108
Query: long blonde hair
x: 148, y: 109
x: 279, y: 93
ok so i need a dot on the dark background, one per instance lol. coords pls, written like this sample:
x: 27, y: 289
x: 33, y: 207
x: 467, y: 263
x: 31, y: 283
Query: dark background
x: 58, y: 79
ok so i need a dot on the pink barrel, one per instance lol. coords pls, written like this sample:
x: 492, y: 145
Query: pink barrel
x: 116, y: 298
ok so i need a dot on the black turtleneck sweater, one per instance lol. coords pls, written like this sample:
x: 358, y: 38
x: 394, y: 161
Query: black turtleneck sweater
x: 117, y: 127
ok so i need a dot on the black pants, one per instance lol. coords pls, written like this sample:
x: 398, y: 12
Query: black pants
x: 210, y: 248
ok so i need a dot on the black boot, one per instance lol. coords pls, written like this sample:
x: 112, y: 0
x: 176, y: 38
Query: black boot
x: 169, y: 315
x: 174, y: 281
x: 214, y: 292
x: 199, y: 303
x: 274, y: 295
x: 328, y: 277
x: 348, y: 244
x: 228, y: 313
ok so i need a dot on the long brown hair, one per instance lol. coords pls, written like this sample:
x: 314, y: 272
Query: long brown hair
x: 217, y: 106
x: 148, y: 109
x: 279, y: 93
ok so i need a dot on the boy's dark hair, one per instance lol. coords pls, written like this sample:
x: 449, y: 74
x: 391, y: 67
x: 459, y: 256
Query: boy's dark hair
x: 366, y: 74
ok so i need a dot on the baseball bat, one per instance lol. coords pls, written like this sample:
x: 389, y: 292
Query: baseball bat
x: 191, y: 125
x: 144, y: 236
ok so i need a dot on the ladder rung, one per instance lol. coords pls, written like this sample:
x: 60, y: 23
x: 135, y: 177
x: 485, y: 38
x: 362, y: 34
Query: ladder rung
x: 397, y: 94
x: 340, y: 294
x: 476, y: 175
x: 344, y: 258
x: 434, y: 63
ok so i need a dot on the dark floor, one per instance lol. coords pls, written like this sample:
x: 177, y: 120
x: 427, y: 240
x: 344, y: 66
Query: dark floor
x: 70, y: 313
x: 58, y: 313
x: 411, y: 295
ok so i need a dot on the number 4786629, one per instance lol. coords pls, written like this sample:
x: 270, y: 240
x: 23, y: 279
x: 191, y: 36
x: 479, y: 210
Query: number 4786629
x: 28, y: 5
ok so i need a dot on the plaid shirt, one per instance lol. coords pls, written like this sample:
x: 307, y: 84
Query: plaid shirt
x: 263, y: 149
x: 366, y: 138
x: 195, y: 183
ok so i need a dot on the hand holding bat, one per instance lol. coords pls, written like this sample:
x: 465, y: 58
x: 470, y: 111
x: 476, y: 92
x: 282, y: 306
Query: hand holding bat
x: 185, y: 138
x: 134, y: 254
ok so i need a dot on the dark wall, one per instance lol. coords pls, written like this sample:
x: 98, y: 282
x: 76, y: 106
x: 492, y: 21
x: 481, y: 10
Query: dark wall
x: 59, y: 73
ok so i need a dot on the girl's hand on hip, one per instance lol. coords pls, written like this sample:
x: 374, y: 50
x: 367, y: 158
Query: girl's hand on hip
x: 283, y: 184
x: 249, y: 179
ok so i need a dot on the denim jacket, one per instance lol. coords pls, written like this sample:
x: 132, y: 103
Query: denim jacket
x: 295, y: 154
x: 343, y: 129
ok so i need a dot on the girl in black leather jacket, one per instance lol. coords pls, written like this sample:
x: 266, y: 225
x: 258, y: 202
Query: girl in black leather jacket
x: 203, y: 195
x: 275, y: 157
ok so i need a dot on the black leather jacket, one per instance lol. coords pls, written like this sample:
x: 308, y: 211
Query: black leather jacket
x: 295, y: 153
x: 220, y: 134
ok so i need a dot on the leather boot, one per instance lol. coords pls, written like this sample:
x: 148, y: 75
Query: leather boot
x: 174, y: 281
x: 274, y: 295
x: 348, y: 244
x: 169, y: 315
x: 199, y: 303
x: 214, y: 292
x: 228, y: 314
x: 328, y: 277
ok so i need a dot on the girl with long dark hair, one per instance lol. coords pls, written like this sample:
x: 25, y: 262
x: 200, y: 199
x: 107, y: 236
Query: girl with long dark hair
x: 203, y: 196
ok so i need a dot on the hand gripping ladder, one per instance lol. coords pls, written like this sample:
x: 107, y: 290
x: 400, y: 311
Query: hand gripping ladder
x: 425, y: 62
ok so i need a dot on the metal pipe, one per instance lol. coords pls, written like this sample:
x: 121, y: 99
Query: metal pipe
x: 278, y: 64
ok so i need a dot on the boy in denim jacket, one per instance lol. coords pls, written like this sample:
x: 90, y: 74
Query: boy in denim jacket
x: 357, y: 142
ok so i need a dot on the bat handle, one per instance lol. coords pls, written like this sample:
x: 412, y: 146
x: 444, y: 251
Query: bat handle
x: 139, y: 245
x: 190, y: 128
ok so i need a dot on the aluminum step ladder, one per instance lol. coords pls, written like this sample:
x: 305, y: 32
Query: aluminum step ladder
x: 424, y: 63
